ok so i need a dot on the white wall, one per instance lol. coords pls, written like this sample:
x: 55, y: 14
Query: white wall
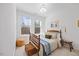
x: 67, y: 14
x: 7, y: 29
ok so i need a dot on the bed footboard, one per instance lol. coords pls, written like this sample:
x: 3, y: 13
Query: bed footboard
x: 34, y: 45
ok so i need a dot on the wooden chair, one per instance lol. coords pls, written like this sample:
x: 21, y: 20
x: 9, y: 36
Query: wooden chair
x: 34, y: 45
x: 68, y: 44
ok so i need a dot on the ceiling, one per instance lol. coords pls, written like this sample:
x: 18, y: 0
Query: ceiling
x: 52, y: 8
x: 32, y: 7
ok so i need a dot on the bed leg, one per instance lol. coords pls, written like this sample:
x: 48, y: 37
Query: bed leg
x: 38, y: 53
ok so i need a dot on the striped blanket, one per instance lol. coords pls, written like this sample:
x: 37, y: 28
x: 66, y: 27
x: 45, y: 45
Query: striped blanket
x: 46, y: 47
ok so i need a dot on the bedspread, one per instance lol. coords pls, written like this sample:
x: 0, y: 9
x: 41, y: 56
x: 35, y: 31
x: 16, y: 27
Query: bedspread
x: 46, y: 47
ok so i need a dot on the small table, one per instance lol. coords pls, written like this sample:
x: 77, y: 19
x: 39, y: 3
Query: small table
x: 65, y: 43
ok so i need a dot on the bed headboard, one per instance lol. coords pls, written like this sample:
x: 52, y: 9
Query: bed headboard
x: 35, y: 40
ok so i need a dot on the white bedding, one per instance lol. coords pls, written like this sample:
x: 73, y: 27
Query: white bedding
x: 54, y: 43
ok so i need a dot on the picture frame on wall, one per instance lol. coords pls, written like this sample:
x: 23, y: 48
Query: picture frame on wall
x: 52, y: 25
x: 77, y: 23
x: 55, y: 25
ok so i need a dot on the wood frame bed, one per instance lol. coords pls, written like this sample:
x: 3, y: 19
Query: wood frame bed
x: 35, y: 46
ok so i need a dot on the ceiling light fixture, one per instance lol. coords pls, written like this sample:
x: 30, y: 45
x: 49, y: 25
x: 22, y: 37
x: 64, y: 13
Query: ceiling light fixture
x: 43, y: 8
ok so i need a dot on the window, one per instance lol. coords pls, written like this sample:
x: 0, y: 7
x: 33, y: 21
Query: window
x: 37, y: 26
x: 26, y: 23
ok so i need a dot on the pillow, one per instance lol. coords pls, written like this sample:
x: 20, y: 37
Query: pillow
x: 58, y: 35
x: 48, y: 36
x: 54, y: 35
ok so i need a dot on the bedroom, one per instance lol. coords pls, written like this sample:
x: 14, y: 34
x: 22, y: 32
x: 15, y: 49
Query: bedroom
x: 50, y: 29
x: 48, y: 17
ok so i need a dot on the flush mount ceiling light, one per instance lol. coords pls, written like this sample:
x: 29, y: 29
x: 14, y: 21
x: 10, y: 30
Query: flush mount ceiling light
x: 43, y: 8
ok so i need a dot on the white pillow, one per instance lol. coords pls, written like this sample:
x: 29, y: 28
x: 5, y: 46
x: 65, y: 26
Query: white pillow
x: 58, y: 35
x: 54, y: 35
